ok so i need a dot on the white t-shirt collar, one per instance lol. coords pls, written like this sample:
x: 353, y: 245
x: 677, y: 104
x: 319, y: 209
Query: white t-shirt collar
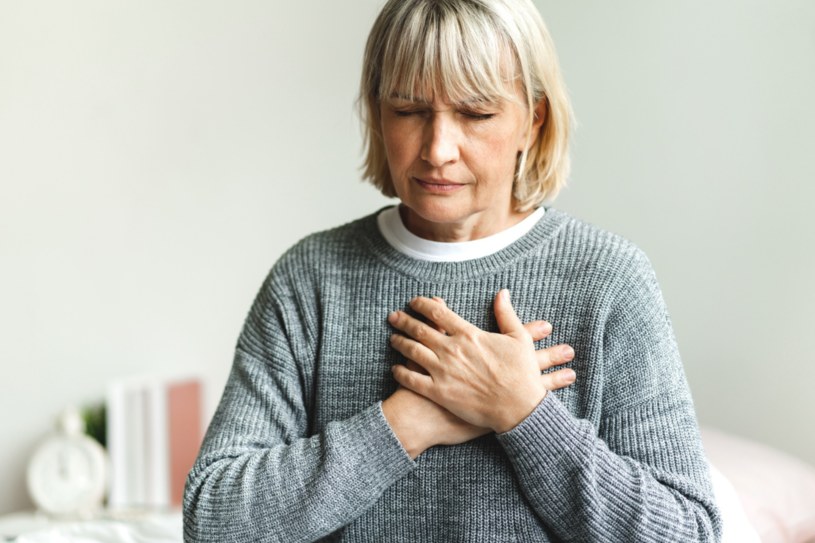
x: 400, y: 238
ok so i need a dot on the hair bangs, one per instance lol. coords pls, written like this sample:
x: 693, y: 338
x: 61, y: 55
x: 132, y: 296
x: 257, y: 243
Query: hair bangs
x: 437, y: 52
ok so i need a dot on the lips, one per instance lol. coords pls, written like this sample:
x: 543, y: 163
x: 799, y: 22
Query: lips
x: 436, y: 185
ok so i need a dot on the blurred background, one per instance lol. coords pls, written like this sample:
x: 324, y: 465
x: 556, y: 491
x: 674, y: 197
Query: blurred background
x: 157, y: 157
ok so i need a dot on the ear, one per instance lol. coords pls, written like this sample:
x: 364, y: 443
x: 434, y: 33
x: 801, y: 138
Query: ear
x: 538, y: 118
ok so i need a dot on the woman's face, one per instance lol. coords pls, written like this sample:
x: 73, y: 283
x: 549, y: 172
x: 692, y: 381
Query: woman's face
x: 453, y: 164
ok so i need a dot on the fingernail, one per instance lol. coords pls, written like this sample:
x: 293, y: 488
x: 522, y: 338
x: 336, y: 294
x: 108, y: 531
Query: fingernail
x: 505, y: 294
x: 567, y: 351
x: 392, y: 316
x: 570, y: 376
x: 546, y: 326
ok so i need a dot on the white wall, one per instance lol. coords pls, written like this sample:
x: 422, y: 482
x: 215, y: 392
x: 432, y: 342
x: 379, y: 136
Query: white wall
x: 696, y: 142
x: 156, y: 157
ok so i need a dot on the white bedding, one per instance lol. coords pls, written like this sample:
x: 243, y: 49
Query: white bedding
x: 153, y: 528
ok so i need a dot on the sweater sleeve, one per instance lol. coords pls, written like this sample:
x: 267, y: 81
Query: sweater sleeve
x: 640, y: 476
x: 259, y: 476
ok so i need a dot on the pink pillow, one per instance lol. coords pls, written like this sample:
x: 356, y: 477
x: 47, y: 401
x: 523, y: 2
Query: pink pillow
x: 776, y: 490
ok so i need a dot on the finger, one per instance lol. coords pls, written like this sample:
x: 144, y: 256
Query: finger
x: 538, y: 329
x: 508, y: 321
x: 554, y: 356
x: 411, y: 380
x: 416, y: 329
x: 439, y: 314
x: 558, y: 379
x: 437, y: 326
x: 415, y: 351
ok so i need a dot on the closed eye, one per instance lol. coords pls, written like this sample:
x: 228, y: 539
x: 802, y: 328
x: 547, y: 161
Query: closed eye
x: 471, y: 115
x: 407, y: 112
x: 478, y: 116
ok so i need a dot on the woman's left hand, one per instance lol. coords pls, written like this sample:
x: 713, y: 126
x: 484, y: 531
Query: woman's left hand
x: 489, y: 380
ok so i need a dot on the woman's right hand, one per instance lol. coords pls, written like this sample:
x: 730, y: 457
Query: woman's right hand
x: 420, y: 423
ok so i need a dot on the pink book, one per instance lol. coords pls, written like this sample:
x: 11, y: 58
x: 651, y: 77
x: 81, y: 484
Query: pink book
x: 185, y: 434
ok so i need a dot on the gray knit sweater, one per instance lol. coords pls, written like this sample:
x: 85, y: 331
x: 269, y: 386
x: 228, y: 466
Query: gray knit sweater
x: 299, y: 449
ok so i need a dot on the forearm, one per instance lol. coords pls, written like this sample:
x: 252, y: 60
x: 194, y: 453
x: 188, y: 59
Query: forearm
x: 297, y: 492
x: 585, y: 491
x: 262, y: 476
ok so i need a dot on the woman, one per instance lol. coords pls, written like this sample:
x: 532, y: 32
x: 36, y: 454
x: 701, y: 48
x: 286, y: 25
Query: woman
x: 322, y: 432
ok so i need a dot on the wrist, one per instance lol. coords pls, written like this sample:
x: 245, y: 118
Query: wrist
x: 411, y: 435
x: 522, y: 410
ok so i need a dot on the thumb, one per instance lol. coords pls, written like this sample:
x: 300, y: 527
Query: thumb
x: 508, y: 321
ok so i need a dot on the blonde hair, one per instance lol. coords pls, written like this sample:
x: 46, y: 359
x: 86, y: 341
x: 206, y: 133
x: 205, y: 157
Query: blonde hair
x: 460, y: 49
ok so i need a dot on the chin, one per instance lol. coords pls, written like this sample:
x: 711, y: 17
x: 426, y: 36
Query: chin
x: 437, y: 212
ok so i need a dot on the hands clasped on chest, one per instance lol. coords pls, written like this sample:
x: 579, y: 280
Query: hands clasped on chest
x: 461, y: 382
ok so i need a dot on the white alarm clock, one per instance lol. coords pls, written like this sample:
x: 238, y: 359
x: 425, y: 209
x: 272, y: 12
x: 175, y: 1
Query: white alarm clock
x: 67, y: 476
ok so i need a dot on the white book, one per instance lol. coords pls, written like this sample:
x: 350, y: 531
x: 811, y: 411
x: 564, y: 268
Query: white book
x: 157, y: 445
x: 135, y: 432
x: 117, y: 445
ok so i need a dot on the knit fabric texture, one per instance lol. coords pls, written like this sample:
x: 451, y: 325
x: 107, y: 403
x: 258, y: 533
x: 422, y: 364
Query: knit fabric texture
x: 299, y: 449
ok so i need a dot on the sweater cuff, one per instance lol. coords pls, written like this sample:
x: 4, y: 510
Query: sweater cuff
x: 377, y: 447
x: 550, y: 432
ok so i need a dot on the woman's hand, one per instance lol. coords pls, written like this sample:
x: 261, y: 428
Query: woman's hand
x: 488, y: 380
x: 420, y: 423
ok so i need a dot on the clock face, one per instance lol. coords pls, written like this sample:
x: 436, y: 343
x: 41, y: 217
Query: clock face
x: 67, y: 475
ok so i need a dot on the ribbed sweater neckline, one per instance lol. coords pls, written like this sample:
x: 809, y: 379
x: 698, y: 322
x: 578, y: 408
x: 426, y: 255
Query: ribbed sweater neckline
x: 467, y: 270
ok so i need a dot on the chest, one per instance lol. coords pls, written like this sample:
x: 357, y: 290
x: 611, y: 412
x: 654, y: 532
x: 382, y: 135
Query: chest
x: 351, y: 369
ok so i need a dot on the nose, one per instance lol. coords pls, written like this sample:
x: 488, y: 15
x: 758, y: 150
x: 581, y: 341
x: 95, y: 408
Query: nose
x: 440, y: 145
